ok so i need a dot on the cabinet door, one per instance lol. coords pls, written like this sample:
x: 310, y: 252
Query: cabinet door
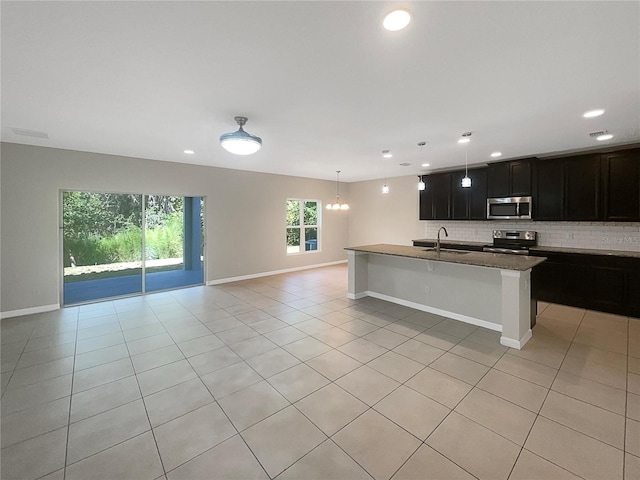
x: 632, y: 292
x: 478, y: 194
x: 575, y: 283
x: 459, y: 197
x: 607, y: 287
x: 621, y: 177
x: 426, y: 198
x: 520, y: 178
x: 498, y: 180
x: 442, y: 196
x: 548, y: 198
x: 583, y: 188
x: 546, y: 282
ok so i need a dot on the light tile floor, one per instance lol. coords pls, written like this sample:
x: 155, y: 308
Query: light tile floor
x: 283, y: 377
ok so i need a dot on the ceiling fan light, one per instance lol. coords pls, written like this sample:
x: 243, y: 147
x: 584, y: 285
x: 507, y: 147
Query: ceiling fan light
x: 240, y: 142
x: 397, y: 20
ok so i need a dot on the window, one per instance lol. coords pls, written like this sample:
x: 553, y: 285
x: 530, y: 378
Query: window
x: 303, y: 226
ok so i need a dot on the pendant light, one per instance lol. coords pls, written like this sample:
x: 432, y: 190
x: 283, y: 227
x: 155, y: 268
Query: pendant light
x: 240, y: 142
x: 385, y: 187
x: 421, y: 185
x: 466, y: 181
x: 338, y: 205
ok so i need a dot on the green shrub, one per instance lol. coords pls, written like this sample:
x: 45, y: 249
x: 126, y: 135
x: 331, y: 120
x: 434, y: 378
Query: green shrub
x: 162, y: 241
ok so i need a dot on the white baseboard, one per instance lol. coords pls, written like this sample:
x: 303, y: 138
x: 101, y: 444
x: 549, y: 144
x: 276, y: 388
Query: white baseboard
x: 274, y: 272
x: 437, y: 311
x: 356, y: 296
x: 30, y: 311
x: 517, y: 344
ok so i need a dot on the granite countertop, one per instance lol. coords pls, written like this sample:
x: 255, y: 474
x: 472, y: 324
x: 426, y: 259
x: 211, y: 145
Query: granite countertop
x: 586, y: 251
x: 479, y: 259
x: 541, y: 248
x: 446, y: 241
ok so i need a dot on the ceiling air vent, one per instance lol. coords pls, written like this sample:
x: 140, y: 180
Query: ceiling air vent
x: 404, y: 164
x: 30, y: 133
x: 597, y: 134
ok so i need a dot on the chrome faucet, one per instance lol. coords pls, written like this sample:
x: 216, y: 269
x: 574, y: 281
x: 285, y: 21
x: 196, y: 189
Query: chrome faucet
x: 438, y: 242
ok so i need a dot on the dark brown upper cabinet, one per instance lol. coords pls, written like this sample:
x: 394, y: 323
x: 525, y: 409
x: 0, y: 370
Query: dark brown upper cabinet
x: 510, y: 179
x: 442, y: 196
x: 582, y: 188
x: 459, y: 197
x: 469, y: 203
x: 548, y: 191
x: 426, y: 198
x: 621, y: 182
x: 567, y: 189
x: 435, y: 199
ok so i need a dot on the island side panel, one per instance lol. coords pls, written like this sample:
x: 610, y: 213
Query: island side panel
x: 516, y: 308
x: 357, y: 269
x: 468, y: 293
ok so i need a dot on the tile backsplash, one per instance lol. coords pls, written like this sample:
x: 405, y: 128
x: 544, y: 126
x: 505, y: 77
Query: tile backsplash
x: 590, y: 235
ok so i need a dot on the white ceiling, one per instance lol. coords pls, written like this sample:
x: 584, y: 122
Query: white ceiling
x: 321, y: 82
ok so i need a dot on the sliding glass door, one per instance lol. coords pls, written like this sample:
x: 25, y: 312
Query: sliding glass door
x: 173, y: 242
x: 103, y: 242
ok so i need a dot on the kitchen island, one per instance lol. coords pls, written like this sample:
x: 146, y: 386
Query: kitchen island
x: 490, y: 290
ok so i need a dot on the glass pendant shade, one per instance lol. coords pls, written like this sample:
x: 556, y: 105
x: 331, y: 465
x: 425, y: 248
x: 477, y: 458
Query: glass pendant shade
x: 466, y: 182
x: 240, y: 142
x: 385, y: 188
x: 421, y: 185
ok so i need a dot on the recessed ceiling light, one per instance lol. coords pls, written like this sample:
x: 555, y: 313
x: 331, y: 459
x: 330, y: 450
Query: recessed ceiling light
x: 593, y: 113
x: 496, y: 154
x: 386, y: 154
x: 606, y: 136
x: 397, y: 20
x: 426, y: 165
x: 189, y: 152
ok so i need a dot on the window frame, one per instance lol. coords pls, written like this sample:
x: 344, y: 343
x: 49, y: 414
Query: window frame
x: 302, y: 226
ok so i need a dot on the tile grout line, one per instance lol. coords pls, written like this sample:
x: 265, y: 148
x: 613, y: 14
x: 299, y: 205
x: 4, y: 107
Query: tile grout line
x: 146, y: 411
x: 545, y: 399
x: 73, y: 377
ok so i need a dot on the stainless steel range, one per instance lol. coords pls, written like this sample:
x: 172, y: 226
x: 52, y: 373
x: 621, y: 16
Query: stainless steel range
x: 512, y: 242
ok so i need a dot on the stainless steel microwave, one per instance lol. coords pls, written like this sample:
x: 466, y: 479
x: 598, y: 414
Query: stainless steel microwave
x: 510, y: 208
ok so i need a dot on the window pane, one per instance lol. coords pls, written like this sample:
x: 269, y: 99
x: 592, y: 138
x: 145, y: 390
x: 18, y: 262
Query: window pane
x: 311, y: 213
x: 311, y: 239
x: 293, y: 213
x: 293, y: 240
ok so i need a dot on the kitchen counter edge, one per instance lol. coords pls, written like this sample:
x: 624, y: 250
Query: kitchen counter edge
x: 478, y: 259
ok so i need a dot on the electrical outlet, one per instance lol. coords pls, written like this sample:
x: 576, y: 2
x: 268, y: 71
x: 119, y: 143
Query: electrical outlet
x: 427, y: 289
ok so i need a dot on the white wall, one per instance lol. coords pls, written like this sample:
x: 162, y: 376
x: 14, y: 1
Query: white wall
x: 245, y: 215
x: 389, y: 218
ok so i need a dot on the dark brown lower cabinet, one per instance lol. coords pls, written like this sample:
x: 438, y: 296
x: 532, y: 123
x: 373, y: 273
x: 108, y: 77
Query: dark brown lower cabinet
x: 606, y: 283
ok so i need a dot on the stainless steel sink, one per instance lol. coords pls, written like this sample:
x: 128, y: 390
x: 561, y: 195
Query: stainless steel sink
x: 446, y: 250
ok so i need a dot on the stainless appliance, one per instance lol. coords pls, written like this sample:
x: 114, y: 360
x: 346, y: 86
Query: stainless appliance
x: 512, y: 242
x: 509, y: 208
